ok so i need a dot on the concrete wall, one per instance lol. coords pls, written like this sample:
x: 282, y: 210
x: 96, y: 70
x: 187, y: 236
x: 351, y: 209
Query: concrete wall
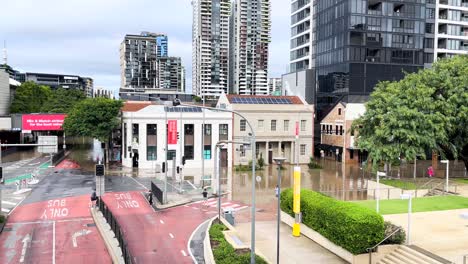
x: 301, y: 84
x: 5, y: 97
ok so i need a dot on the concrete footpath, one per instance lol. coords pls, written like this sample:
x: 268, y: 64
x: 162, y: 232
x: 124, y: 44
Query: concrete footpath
x: 294, y: 250
x: 443, y: 233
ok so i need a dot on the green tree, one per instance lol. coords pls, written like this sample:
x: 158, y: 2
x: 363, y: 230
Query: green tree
x: 63, y: 100
x: 427, y: 110
x: 93, y: 117
x: 30, y: 97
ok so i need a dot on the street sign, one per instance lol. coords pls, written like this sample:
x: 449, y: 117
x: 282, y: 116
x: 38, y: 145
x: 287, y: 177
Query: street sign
x: 48, y: 140
x: 258, y: 178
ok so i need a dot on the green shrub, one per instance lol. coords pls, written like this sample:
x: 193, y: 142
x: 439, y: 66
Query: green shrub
x: 346, y: 224
x: 313, y: 164
x: 261, y: 161
x: 2, y: 218
x: 398, y: 238
x: 223, y: 252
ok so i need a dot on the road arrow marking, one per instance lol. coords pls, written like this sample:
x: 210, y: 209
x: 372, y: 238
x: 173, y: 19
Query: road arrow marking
x: 82, y: 232
x: 25, y: 242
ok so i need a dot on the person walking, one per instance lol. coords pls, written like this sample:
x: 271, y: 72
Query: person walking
x: 150, y: 197
x: 430, y: 172
x: 205, y: 197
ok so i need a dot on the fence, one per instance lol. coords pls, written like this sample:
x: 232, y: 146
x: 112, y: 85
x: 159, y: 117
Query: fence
x: 158, y: 193
x: 117, y: 231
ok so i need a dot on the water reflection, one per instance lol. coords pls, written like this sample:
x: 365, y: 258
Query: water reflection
x: 17, y: 154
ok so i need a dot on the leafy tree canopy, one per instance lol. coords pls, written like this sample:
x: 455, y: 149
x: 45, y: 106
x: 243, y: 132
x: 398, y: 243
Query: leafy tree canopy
x: 427, y: 110
x: 30, y: 97
x: 63, y: 100
x: 93, y: 117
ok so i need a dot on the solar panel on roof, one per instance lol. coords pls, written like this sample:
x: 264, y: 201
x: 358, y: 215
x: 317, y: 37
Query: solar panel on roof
x: 260, y: 100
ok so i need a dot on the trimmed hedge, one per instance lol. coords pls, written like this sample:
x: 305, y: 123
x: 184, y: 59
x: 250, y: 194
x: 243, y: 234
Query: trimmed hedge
x: 224, y: 253
x: 346, y: 224
x: 2, y: 218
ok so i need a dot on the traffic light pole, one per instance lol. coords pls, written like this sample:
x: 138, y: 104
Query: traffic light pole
x: 165, y: 160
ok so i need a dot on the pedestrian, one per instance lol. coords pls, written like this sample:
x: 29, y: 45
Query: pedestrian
x: 205, y: 196
x: 276, y: 191
x: 322, y: 153
x: 430, y: 172
x: 150, y: 197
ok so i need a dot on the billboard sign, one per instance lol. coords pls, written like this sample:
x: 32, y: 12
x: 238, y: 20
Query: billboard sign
x: 50, y: 142
x: 172, y: 132
x: 43, y: 122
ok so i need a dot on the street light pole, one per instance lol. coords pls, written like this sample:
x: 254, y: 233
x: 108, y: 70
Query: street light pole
x: 279, y: 161
x: 166, y: 167
x: 177, y: 102
x: 379, y: 174
x: 408, y: 196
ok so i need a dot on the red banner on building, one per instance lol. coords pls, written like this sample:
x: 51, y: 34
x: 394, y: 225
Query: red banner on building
x: 172, y: 132
x: 43, y: 122
x: 297, y: 129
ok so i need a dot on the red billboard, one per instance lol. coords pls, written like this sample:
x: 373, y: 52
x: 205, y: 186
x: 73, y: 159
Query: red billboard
x: 43, y: 122
x: 172, y: 132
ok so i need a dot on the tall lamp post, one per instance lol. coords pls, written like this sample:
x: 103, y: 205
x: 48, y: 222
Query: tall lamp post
x: 408, y: 196
x: 447, y: 176
x: 279, y: 161
x: 177, y: 102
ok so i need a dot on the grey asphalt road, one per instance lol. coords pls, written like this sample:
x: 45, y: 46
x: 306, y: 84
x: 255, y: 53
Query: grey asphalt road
x: 68, y: 183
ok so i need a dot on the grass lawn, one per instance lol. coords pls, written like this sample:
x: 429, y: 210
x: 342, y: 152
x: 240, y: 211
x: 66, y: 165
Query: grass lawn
x: 460, y: 180
x: 405, y: 185
x: 425, y: 204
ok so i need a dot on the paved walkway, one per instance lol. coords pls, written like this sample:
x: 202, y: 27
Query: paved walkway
x: 292, y: 249
x: 443, y: 233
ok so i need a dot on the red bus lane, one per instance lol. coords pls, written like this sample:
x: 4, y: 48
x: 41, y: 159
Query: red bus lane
x: 54, y: 231
x: 162, y: 236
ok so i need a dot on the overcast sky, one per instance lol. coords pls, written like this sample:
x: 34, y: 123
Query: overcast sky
x: 82, y: 37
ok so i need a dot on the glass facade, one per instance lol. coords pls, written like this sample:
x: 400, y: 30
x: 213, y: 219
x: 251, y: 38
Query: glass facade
x: 361, y: 42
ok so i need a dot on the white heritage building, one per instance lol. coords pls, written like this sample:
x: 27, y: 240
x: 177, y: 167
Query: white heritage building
x: 143, y: 138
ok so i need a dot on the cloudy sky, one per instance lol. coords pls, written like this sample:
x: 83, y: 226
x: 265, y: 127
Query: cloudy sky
x: 83, y: 36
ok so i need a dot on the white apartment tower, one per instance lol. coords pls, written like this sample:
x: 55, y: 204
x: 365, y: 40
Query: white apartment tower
x: 210, y: 47
x: 302, y: 35
x: 250, y: 37
x: 451, y: 27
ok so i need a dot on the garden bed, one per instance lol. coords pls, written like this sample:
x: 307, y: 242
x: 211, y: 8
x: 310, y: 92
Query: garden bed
x: 225, y: 253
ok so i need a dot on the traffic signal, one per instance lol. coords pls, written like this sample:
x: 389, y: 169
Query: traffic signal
x: 178, y: 169
x: 100, y: 170
x: 178, y: 135
x: 1, y: 174
x: 183, y: 160
x: 164, y: 167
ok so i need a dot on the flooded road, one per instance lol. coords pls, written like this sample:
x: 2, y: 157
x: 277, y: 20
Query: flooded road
x: 17, y: 154
x: 344, y: 182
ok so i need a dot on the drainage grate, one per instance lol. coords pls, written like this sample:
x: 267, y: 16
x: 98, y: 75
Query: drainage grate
x: 7, y: 229
x: 90, y: 225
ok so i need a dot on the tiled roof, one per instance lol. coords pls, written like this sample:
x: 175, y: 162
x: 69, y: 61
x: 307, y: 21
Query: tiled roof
x: 134, y: 106
x: 293, y: 99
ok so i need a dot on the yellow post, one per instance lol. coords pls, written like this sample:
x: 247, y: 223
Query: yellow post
x: 297, y: 201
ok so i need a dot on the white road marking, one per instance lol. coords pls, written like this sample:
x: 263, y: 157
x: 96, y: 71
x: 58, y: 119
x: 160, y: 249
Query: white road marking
x: 235, y: 205
x: 183, y: 253
x: 7, y: 202
x: 223, y: 204
x: 171, y: 235
x: 194, y: 208
x: 162, y: 222
x: 53, y: 243
x: 5, y: 210
x: 17, y: 198
x: 212, y: 203
x: 58, y: 221
x: 82, y: 232
x: 25, y: 242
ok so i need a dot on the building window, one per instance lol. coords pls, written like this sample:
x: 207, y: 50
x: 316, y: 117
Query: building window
x: 242, y: 150
x: 135, y: 133
x: 323, y: 129
x: 207, y: 129
x: 223, y: 132
x: 303, y: 149
x: 260, y: 125
x: 188, y: 152
x: 242, y: 125
x: 341, y: 130
x: 336, y: 129
x: 207, y: 152
x: 189, y: 141
x: 286, y: 125
x: 151, y: 140
x: 339, y: 111
x: 257, y: 149
x: 273, y: 125
x: 303, y: 125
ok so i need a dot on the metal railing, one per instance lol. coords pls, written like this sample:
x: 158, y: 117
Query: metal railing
x: 372, y: 249
x: 119, y: 234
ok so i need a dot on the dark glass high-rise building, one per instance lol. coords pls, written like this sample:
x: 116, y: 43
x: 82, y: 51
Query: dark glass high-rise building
x: 361, y: 42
